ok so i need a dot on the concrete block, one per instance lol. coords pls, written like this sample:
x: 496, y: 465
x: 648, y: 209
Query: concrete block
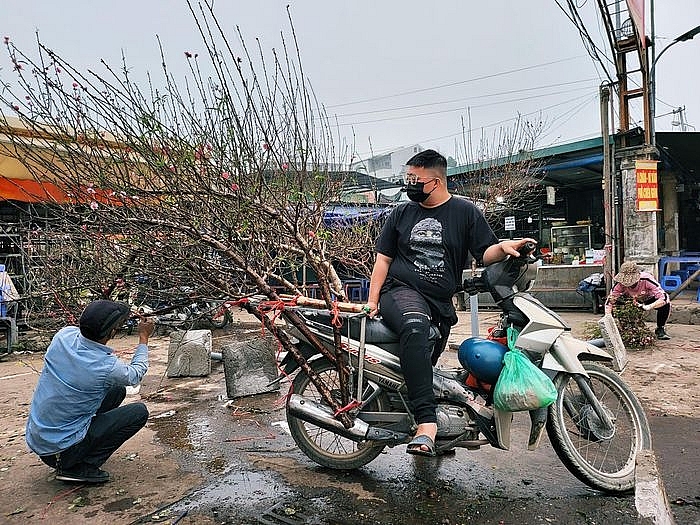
x: 189, y: 353
x: 249, y: 366
x: 650, y: 497
x: 613, y: 341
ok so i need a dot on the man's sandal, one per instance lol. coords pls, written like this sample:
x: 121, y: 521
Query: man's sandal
x: 414, y: 447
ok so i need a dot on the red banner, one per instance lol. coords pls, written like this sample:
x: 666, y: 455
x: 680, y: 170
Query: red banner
x: 647, y: 185
x: 636, y: 8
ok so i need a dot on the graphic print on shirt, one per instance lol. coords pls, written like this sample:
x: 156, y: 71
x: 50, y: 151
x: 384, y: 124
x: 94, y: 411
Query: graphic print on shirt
x: 426, y: 243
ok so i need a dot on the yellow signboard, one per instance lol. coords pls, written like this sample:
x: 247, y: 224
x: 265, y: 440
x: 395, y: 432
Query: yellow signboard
x: 647, y: 185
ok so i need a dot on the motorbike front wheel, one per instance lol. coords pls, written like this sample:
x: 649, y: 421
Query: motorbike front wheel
x: 600, y: 456
x: 324, y: 446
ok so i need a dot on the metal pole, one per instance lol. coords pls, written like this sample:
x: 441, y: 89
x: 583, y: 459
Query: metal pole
x: 474, y: 306
x: 607, y: 186
x: 361, y: 357
x: 616, y: 248
x: 474, y: 310
x: 652, y: 81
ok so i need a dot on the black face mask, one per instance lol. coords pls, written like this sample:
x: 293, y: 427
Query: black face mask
x: 415, y: 191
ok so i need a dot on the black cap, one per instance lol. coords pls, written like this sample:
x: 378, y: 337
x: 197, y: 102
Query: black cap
x: 101, y: 317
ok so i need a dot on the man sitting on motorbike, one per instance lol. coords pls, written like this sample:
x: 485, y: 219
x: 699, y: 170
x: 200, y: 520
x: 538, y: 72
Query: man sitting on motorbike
x: 421, y: 252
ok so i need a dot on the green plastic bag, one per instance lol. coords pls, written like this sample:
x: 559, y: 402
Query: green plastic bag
x: 521, y: 385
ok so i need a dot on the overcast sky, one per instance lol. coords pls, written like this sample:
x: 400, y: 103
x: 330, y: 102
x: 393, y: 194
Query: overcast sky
x: 393, y: 73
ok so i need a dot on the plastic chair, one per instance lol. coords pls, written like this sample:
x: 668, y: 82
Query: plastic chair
x: 683, y: 274
x: 670, y: 282
x: 692, y: 269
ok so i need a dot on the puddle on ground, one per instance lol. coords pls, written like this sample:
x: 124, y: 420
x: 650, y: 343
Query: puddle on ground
x: 119, y: 505
x: 184, y: 430
x: 242, y: 489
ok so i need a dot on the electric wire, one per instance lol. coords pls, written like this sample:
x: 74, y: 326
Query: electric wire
x: 452, y: 110
x: 475, y: 97
x: 591, y: 48
x: 486, y: 126
x: 457, y: 83
x: 568, y: 115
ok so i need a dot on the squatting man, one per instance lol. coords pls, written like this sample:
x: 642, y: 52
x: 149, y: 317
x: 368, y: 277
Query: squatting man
x: 76, y: 420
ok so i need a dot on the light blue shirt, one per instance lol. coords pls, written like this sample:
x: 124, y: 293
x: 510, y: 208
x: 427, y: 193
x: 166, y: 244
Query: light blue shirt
x: 76, y: 376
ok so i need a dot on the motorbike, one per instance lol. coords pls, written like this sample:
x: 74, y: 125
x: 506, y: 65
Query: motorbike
x: 597, y: 425
x: 177, y: 307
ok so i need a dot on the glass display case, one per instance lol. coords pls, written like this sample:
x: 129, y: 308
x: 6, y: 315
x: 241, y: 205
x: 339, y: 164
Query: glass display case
x: 570, y: 242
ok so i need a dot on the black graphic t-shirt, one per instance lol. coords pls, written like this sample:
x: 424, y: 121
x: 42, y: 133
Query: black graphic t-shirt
x: 429, y: 247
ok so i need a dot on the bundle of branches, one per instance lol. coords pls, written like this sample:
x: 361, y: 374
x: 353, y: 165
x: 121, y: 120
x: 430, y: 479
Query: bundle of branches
x: 630, y: 321
x: 219, y: 185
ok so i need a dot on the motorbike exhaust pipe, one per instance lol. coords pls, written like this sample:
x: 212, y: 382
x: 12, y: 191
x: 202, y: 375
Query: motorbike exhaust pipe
x: 322, y: 416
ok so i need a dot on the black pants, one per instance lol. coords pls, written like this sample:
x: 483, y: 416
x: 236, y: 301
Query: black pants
x: 109, y: 429
x: 407, y: 313
x: 661, y: 313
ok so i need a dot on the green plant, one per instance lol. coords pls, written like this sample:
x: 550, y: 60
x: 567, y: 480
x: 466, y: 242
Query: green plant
x: 591, y: 331
x: 630, y: 322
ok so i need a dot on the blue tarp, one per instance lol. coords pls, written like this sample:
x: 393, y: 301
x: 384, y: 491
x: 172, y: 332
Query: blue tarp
x: 351, y: 215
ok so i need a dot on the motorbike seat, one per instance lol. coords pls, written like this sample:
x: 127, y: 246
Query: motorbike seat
x: 376, y: 332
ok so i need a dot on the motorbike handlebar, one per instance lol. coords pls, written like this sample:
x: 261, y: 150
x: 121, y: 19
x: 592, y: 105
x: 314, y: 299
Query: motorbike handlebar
x: 527, y: 249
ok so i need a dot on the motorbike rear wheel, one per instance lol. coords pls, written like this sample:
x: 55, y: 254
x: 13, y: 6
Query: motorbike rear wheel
x: 324, y: 446
x: 603, y: 458
x: 217, y: 315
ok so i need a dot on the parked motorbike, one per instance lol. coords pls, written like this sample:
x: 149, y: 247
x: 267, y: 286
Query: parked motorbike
x: 596, y: 425
x: 180, y: 308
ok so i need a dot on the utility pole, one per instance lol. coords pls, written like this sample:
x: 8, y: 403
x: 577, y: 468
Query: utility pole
x: 681, y: 123
x: 607, y: 186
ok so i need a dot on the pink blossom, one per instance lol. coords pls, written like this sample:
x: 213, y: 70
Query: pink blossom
x: 94, y: 205
x: 58, y: 69
x: 265, y: 146
x: 234, y: 187
x: 285, y: 166
x: 15, y: 107
x: 311, y: 234
x: 75, y: 85
x: 226, y: 175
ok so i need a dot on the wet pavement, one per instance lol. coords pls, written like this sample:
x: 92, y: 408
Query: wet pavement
x: 255, y: 474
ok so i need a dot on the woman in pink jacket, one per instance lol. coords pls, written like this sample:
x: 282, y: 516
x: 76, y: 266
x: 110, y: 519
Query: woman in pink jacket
x: 645, y: 293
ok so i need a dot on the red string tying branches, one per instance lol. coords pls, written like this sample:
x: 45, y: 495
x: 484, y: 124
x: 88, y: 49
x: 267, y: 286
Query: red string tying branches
x: 351, y: 405
x: 336, y: 320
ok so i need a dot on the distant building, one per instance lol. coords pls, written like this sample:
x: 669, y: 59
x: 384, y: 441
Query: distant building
x: 388, y: 167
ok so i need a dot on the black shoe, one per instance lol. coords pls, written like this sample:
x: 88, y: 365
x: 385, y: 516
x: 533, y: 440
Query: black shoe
x: 83, y: 474
x: 661, y: 334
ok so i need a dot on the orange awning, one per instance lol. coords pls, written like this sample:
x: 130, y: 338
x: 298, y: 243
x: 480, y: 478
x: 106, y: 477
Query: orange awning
x: 26, y: 190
